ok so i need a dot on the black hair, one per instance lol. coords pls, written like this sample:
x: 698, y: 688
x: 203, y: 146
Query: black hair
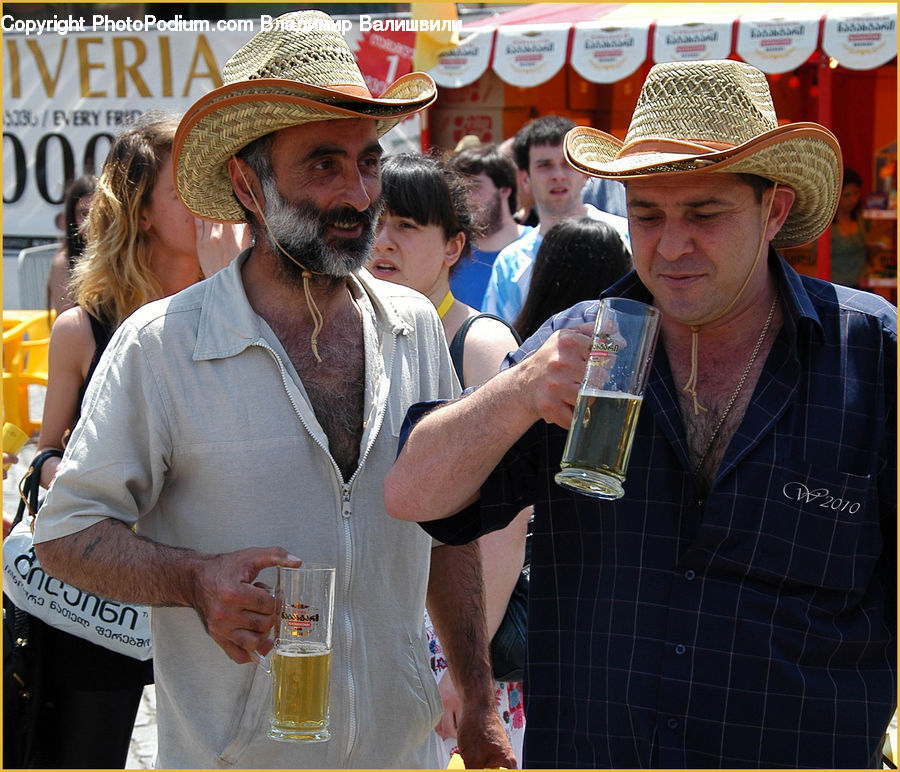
x: 494, y: 163
x: 77, y: 189
x: 759, y: 184
x: 577, y: 260
x: 546, y: 130
x: 426, y: 190
x: 851, y: 177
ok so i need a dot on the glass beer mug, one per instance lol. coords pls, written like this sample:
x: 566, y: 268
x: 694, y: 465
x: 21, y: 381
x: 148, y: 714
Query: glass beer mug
x: 300, y: 662
x: 609, y: 399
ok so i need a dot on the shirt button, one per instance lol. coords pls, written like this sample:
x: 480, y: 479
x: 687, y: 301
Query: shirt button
x: 690, y: 575
x: 680, y: 648
x: 672, y: 723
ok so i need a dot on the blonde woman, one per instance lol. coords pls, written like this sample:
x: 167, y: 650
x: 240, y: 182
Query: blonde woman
x: 425, y: 230
x: 142, y: 244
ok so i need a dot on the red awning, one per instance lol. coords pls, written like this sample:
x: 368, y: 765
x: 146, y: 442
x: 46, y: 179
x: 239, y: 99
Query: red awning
x: 606, y: 42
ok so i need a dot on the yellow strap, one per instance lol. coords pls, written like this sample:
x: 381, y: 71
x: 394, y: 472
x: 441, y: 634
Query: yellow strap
x: 444, y: 307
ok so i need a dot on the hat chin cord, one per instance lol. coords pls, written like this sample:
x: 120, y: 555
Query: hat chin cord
x: 691, y: 386
x: 307, y: 274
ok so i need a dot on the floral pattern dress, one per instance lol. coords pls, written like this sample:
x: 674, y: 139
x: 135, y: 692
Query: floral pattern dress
x: 507, y: 698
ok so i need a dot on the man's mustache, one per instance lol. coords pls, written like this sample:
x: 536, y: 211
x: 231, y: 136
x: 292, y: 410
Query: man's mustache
x: 349, y: 216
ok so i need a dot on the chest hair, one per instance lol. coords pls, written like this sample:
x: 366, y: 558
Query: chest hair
x: 718, y: 376
x: 336, y: 385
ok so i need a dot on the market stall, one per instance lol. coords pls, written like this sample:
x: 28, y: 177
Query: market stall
x: 834, y: 64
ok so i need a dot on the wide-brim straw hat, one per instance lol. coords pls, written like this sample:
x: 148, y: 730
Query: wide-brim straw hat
x: 299, y: 71
x: 718, y: 116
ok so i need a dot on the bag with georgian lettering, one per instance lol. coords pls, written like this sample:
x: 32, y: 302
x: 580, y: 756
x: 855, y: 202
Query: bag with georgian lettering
x: 120, y: 627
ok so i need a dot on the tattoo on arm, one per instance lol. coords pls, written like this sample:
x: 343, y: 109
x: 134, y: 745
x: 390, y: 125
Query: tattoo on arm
x: 90, y: 547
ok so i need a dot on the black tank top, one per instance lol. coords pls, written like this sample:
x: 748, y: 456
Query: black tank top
x: 102, y: 333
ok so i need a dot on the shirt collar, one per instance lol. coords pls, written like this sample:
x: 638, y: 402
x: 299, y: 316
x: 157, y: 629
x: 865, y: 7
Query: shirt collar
x: 228, y: 323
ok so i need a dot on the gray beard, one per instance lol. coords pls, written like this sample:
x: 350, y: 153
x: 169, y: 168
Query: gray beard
x: 300, y: 227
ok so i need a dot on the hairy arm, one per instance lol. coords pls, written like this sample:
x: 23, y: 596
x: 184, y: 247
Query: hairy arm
x: 457, y: 446
x: 110, y: 560
x: 502, y: 557
x: 456, y: 606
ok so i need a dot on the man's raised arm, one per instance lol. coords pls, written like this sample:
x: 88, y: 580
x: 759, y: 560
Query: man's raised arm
x: 452, y: 450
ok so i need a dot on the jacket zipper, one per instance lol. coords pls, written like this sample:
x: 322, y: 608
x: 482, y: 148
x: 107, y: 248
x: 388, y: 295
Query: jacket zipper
x: 346, y: 511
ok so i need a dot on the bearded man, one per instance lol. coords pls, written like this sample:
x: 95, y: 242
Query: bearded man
x: 262, y: 407
x: 491, y: 193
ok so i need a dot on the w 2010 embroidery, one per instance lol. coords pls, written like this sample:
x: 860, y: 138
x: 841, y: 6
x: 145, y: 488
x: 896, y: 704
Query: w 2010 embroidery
x: 797, y: 491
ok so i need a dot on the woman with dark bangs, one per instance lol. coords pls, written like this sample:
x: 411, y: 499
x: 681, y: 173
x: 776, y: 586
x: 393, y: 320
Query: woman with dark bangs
x: 425, y: 230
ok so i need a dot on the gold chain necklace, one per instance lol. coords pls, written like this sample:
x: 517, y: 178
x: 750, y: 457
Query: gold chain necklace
x: 737, y: 390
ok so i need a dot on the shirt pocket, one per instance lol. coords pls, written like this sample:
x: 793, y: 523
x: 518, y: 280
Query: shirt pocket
x: 410, y: 698
x: 808, y: 527
x: 251, y: 718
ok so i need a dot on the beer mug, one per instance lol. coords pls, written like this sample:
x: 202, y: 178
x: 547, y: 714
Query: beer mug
x: 300, y: 662
x: 609, y: 399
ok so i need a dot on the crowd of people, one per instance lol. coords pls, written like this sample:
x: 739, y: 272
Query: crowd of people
x: 276, y: 345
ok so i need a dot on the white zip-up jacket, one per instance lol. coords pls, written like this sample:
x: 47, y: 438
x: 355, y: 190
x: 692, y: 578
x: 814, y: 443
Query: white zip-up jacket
x: 197, y: 430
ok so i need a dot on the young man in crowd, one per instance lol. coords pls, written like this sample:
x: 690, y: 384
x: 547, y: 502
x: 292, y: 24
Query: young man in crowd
x: 556, y: 188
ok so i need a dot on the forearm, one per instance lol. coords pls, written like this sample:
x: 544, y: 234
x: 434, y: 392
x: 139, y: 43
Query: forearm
x: 455, y: 447
x: 109, y: 559
x: 456, y: 606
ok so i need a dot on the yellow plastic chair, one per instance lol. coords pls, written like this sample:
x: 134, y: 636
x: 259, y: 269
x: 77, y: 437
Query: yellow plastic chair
x: 26, y: 340
x: 32, y: 372
x: 21, y: 325
x: 10, y: 410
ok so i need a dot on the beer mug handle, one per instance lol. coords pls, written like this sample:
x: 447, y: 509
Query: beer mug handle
x: 264, y: 662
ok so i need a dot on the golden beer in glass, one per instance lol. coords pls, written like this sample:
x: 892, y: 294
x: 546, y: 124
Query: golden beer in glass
x: 301, y: 660
x: 609, y: 400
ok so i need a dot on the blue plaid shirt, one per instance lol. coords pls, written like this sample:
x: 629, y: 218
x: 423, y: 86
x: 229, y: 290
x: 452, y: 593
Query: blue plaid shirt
x: 754, y: 628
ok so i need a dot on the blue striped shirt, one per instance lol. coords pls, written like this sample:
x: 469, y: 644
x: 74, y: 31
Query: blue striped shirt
x: 753, y: 628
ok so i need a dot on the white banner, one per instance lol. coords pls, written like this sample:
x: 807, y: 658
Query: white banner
x: 527, y: 55
x: 861, y: 37
x: 691, y: 42
x: 65, y: 98
x: 777, y: 44
x: 605, y: 54
x: 465, y: 64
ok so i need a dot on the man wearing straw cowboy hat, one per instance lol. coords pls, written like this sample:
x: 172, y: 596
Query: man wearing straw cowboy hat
x: 262, y: 407
x: 737, y: 607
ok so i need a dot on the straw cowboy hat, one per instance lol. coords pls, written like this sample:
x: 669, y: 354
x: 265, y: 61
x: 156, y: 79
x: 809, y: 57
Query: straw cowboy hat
x: 301, y: 70
x: 717, y: 116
